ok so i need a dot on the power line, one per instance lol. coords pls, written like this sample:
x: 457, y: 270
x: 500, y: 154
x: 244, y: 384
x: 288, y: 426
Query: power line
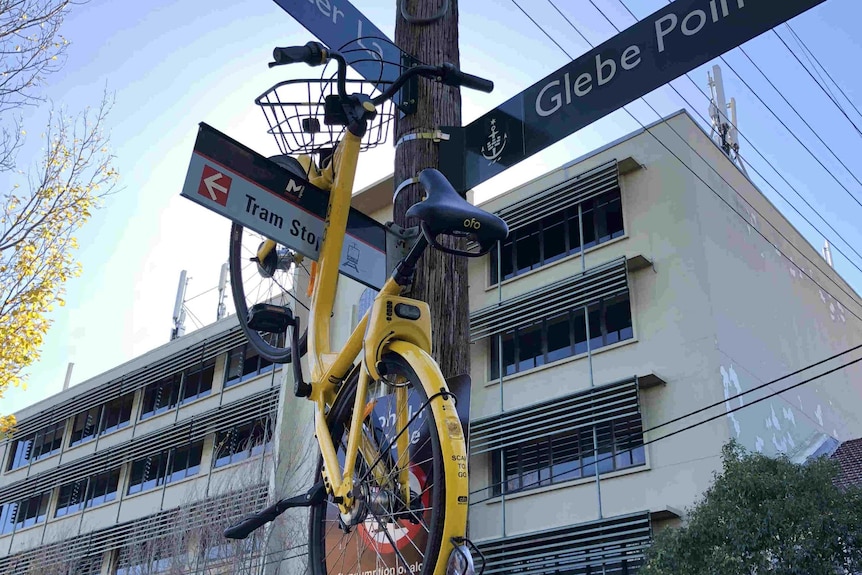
x: 730, y: 186
x: 773, y: 394
x: 202, y: 293
x: 710, y: 418
x: 828, y: 95
x: 804, y: 121
x: 780, y: 175
x: 764, y: 158
x: 828, y: 75
x: 820, y: 79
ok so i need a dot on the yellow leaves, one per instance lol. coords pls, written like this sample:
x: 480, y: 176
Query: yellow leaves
x: 7, y: 425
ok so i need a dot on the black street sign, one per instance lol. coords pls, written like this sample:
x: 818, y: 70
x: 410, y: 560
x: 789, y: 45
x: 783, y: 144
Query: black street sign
x: 652, y: 52
x: 337, y: 23
x: 247, y: 188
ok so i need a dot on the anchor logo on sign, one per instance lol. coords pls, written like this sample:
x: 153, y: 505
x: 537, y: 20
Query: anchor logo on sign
x: 497, y: 140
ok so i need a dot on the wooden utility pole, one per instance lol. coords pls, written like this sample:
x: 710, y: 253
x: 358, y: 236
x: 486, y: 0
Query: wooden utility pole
x: 441, y: 279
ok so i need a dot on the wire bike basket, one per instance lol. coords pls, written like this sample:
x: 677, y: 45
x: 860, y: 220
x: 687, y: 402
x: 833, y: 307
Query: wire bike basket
x: 295, y: 112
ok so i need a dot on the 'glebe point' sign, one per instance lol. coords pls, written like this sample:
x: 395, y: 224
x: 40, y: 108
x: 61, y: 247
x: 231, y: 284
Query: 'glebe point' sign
x: 652, y: 52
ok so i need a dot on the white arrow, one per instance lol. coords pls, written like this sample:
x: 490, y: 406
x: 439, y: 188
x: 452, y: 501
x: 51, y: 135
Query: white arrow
x: 211, y: 185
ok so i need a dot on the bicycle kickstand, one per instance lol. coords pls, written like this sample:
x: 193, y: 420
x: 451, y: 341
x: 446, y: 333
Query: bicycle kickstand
x: 241, y: 530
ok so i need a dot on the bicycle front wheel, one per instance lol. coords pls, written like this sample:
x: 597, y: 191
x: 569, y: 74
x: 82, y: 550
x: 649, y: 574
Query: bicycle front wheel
x: 387, y: 531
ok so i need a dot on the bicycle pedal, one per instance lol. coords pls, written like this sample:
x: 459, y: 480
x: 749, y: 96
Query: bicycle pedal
x: 269, y: 318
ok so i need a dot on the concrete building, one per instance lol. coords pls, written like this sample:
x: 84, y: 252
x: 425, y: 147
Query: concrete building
x: 690, y: 289
x: 139, y: 469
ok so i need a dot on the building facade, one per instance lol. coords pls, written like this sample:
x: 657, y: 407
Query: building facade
x: 645, y: 282
x: 139, y: 470
x: 640, y: 284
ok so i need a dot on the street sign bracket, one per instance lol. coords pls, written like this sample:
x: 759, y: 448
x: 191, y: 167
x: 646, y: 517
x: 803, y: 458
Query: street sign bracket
x: 410, y: 91
x: 399, y: 240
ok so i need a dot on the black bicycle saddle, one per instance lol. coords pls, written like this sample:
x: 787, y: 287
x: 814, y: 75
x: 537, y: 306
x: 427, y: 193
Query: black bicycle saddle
x: 444, y: 211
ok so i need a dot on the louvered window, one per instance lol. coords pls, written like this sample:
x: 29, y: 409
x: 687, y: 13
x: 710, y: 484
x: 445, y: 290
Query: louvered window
x: 244, y: 363
x: 610, y: 546
x: 562, y: 335
x: 242, y: 442
x: 569, y: 455
x: 552, y: 442
x: 555, y: 236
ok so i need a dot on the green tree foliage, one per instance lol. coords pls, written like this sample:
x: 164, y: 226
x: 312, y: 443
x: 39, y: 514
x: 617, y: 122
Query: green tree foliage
x: 765, y: 515
x: 46, y: 202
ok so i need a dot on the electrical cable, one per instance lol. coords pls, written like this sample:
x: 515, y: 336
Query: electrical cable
x: 727, y: 412
x: 759, y: 153
x: 828, y: 75
x: 804, y: 121
x: 417, y: 21
x: 731, y: 410
x: 820, y: 79
x: 828, y: 95
x: 202, y: 293
x: 730, y: 186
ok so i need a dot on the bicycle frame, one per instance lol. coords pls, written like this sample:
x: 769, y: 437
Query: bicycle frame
x: 328, y: 368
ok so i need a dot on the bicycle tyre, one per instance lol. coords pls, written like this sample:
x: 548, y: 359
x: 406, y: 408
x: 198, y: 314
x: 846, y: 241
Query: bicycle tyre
x: 273, y: 353
x: 334, y: 552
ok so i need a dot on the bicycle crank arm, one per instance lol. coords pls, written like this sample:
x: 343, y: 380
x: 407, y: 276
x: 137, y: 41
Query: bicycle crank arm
x: 241, y: 530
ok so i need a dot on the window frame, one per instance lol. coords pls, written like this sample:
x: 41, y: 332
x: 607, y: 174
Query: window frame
x: 225, y: 448
x: 263, y: 366
x: 593, y: 209
x: 120, y: 404
x: 505, y: 472
x: 71, y: 507
x: 576, y: 318
x: 152, y: 393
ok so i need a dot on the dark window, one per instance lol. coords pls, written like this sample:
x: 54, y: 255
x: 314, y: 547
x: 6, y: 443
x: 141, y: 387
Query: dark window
x: 243, y: 363
x: 116, y: 414
x: 562, y: 336
x: 570, y: 456
x: 39, y: 445
x: 172, y: 465
x: 48, y: 441
x: 71, y: 498
x: 185, y: 461
x: 242, y: 442
x: 85, y: 425
x: 21, y: 451
x: 558, y: 235
x: 31, y: 511
x: 148, y: 473
x: 7, y: 517
x: 91, y: 565
x: 161, y: 396
x: 102, y: 488
x: 198, y: 381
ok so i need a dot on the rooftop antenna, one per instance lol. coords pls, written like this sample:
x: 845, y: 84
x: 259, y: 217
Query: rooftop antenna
x: 179, y: 310
x: 827, y: 253
x: 728, y: 135
x: 222, y: 281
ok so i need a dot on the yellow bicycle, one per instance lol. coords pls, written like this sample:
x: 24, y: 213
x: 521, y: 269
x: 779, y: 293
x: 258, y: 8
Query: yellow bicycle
x: 393, y: 492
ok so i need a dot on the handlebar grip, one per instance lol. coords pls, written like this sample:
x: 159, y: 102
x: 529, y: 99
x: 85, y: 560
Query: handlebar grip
x: 312, y: 54
x: 452, y: 76
x: 242, y: 529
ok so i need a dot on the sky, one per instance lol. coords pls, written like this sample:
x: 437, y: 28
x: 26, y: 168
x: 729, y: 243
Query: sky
x: 170, y: 64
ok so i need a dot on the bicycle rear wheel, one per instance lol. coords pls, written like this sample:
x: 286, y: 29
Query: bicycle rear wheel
x: 270, y: 282
x: 384, y: 533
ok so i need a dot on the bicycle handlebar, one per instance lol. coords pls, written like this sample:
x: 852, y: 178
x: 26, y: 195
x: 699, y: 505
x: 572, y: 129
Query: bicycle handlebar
x: 315, y: 54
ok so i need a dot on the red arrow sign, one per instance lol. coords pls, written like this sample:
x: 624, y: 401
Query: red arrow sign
x: 214, y: 185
